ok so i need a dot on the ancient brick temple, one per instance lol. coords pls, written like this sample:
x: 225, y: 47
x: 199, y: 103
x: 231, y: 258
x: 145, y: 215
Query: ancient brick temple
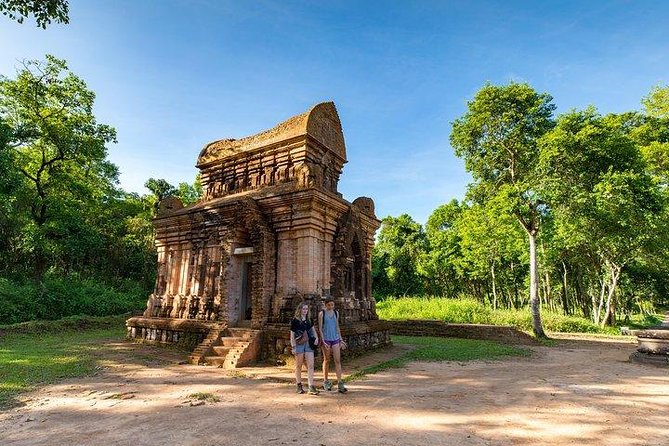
x: 270, y: 232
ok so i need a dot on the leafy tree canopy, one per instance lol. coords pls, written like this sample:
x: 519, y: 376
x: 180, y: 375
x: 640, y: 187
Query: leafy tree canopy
x: 44, y: 11
x: 498, y: 138
x: 657, y: 102
x: 497, y: 134
x: 401, y: 242
x: 58, y: 149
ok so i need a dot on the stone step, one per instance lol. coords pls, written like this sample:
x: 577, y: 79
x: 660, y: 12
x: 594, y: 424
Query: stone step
x: 216, y: 360
x: 244, y: 333
x: 221, y: 350
x: 229, y: 341
x: 231, y: 348
x: 220, y: 361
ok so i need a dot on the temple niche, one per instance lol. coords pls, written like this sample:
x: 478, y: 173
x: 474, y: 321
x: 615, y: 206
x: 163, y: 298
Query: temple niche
x: 270, y: 231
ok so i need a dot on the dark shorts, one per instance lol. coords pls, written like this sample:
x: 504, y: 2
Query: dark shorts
x: 332, y: 343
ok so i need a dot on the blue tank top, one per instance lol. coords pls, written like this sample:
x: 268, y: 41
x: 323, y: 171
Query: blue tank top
x: 330, y: 326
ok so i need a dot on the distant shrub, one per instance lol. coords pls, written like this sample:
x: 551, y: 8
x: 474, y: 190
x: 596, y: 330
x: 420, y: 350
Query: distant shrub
x: 59, y: 297
x: 450, y: 310
x: 651, y: 319
x: 69, y: 323
x: 470, y: 311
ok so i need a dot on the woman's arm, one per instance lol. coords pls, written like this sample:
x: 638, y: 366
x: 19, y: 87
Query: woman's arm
x: 293, y: 341
x: 313, y: 329
x: 320, y: 323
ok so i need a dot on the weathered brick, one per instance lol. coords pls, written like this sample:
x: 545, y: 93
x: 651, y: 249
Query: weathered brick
x: 271, y: 230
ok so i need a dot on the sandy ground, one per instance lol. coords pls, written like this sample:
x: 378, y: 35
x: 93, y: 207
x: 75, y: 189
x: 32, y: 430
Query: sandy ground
x: 580, y: 392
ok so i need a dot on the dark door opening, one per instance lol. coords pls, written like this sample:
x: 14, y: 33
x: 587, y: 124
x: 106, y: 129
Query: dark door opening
x: 246, y: 309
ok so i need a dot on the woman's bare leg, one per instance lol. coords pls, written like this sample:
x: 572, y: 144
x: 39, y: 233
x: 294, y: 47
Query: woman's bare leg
x: 336, y: 355
x: 310, y: 367
x: 299, y: 359
x: 326, y: 361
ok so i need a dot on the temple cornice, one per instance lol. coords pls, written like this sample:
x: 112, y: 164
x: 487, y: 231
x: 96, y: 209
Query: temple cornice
x: 321, y: 123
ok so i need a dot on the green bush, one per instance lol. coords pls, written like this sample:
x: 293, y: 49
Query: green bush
x: 58, y: 297
x: 470, y: 311
x: 451, y: 310
x: 70, y: 323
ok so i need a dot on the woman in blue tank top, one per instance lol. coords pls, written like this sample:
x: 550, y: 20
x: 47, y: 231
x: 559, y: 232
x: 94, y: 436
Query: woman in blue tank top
x: 328, y: 325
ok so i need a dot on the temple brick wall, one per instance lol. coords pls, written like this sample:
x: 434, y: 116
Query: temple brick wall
x: 270, y: 231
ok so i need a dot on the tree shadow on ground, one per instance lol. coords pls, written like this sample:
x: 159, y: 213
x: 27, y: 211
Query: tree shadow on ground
x: 572, y: 393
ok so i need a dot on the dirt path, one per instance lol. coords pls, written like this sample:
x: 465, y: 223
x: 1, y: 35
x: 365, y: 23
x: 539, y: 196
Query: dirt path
x: 576, y: 393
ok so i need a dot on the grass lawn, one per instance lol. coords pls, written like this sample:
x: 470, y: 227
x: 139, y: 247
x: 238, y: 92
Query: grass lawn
x: 41, y: 353
x: 30, y: 359
x: 443, y: 349
x: 471, y: 311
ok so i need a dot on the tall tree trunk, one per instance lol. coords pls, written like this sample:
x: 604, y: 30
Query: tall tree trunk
x: 597, y: 308
x: 40, y: 255
x: 581, y: 301
x: 534, y: 286
x: 494, y: 287
x: 546, y: 290
x: 614, y: 276
x: 545, y: 282
x: 515, y: 288
x: 478, y: 293
x: 565, y: 294
x: 40, y: 264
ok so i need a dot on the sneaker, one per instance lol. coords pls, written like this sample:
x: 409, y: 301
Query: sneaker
x: 313, y: 390
x: 327, y: 385
x: 341, y: 388
x: 300, y: 389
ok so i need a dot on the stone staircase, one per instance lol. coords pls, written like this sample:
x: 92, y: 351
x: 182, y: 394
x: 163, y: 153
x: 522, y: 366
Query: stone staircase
x: 232, y: 348
x: 200, y: 352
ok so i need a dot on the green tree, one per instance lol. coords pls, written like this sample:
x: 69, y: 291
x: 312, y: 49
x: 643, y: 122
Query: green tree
x: 491, y: 249
x: 440, y: 261
x: 190, y: 193
x: 187, y: 193
x: 44, y: 11
x: 497, y: 137
x: 160, y: 188
x: 604, y: 202
x: 395, y: 257
x: 651, y: 132
x: 59, y: 149
x: 11, y: 185
x: 657, y: 102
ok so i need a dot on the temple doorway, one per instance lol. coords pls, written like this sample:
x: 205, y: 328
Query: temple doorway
x: 245, y: 300
x: 241, y: 286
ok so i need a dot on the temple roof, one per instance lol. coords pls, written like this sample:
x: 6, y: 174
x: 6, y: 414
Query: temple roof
x: 321, y: 122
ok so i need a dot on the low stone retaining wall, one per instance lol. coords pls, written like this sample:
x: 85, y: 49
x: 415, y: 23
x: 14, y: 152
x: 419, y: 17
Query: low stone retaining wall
x: 505, y: 334
x: 653, y: 346
x: 275, y: 338
x: 359, y: 337
x: 167, y: 331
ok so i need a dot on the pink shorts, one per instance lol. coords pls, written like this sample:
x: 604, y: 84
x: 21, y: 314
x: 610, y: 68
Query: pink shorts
x: 332, y: 343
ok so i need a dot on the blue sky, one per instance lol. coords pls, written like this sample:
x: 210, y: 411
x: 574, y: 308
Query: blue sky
x: 172, y: 75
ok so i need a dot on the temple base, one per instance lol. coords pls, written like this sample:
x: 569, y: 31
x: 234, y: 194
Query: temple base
x: 274, y: 338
